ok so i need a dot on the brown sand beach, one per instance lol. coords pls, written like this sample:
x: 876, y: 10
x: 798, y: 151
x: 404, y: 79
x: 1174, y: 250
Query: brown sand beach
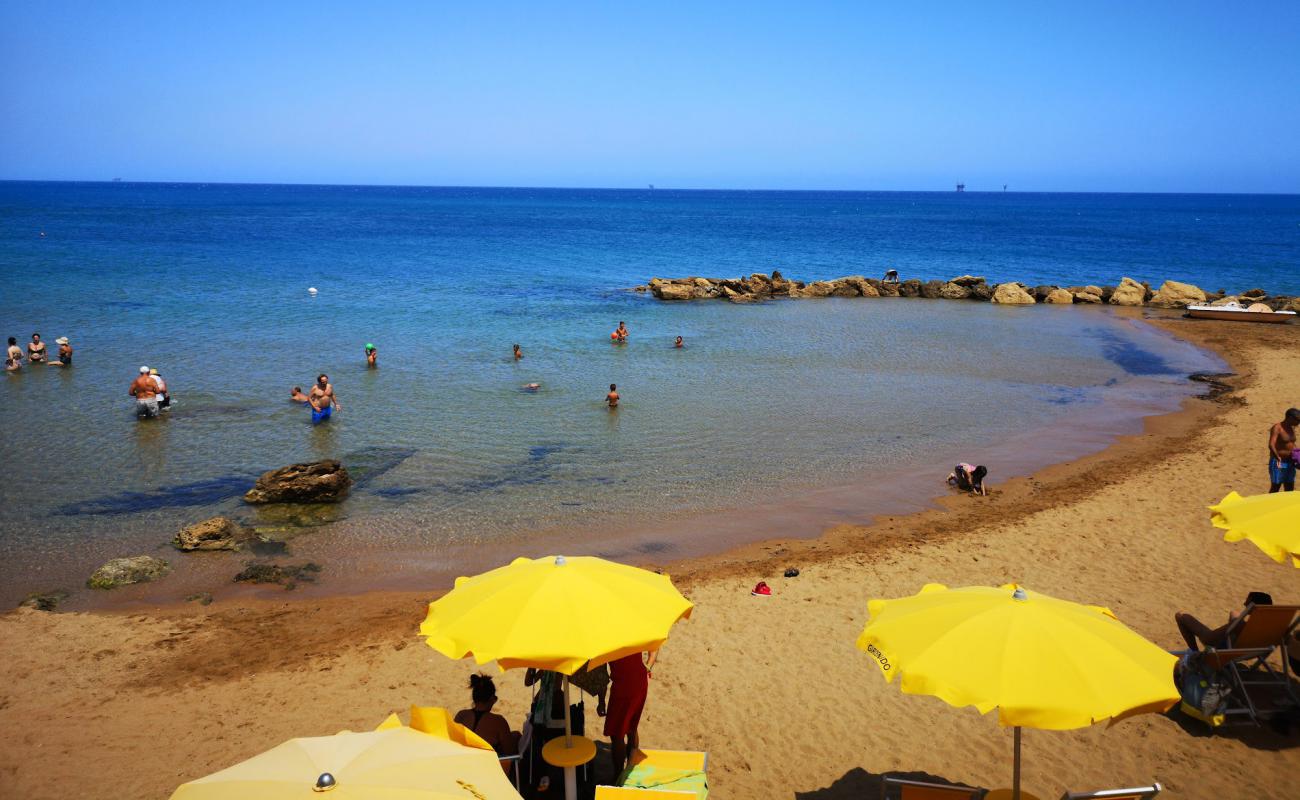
x: 133, y: 704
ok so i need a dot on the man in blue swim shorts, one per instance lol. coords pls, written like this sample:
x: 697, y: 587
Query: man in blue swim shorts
x: 322, y: 400
x: 1282, y: 453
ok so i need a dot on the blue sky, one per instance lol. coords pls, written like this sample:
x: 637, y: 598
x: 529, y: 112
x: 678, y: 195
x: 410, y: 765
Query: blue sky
x: 1043, y: 96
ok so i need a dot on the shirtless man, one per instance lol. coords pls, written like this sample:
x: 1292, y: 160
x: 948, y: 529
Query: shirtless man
x: 679, y: 343
x: 14, y: 356
x: 1281, y: 453
x: 322, y: 400
x: 296, y: 395
x: 36, y: 350
x: 145, y: 392
x: 612, y: 397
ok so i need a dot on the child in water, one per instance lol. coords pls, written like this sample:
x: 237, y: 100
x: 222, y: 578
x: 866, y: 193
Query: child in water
x: 969, y: 478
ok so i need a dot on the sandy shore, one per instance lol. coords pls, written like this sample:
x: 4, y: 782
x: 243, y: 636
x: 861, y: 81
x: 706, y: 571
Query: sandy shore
x: 130, y: 705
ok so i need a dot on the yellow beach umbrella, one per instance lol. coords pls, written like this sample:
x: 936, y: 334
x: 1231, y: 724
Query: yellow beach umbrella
x: 393, y: 763
x: 1041, y: 662
x: 554, y: 613
x: 1271, y: 521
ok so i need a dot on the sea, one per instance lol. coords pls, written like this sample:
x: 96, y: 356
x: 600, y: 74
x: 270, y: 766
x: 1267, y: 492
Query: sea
x: 776, y: 420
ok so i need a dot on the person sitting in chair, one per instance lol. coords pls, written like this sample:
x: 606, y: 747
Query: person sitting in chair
x: 1194, y: 631
x: 491, y: 728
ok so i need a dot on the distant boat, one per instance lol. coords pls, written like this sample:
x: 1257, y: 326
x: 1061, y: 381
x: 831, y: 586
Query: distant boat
x: 652, y: 186
x: 961, y: 187
x: 117, y: 180
x: 1257, y: 312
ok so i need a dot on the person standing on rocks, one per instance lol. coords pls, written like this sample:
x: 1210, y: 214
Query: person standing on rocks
x: 1282, y: 453
x: 322, y: 400
x: 145, y: 392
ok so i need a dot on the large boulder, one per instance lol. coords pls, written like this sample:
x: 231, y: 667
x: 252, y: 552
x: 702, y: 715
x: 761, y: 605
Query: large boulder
x: 1293, y: 305
x: 1173, y: 294
x: 888, y: 289
x: 738, y: 297
x: 1041, y: 291
x: 932, y: 290
x: 126, y: 571
x: 967, y: 280
x: 847, y: 287
x: 1087, y: 294
x: 981, y: 291
x: 672, y: 291
x: 218, y: 533
x: 1012, y: 294
x: 818, y: 289
x: 315, y: 482
x: 1059, y: 297
x: 1128, y: 293
x: 1230, y: 300
x: 908, y: 288
x: 954, y: 291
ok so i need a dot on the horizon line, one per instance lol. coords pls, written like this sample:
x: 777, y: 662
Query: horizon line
x: 646, y: 188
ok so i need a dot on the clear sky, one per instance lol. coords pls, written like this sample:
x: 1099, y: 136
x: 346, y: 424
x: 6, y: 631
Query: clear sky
x: 1043, y: 96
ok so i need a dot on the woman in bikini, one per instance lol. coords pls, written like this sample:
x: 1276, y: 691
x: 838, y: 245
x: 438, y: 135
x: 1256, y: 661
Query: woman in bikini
x: 490, y: 727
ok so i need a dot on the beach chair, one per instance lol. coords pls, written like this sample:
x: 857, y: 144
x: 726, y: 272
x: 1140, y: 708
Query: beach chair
x: 661, y: 775
x: 1257, y: 688
x: 1136, y: 793
x: 904, y: 789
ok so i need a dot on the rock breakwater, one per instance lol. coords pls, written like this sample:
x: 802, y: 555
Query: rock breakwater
x: 1128, y: 292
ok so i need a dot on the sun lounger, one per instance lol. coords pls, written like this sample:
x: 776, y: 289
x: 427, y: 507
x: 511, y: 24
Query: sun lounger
x: 1136, y: 793
x: 904, y: 789
x: 661, y: 775
x: 1246, y: 661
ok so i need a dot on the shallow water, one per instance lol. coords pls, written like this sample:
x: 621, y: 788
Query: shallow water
x: 764, y: 402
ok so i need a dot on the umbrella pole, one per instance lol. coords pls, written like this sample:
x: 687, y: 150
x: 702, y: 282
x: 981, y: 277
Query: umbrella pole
x: 1015, y: 769
x: 568, y: 723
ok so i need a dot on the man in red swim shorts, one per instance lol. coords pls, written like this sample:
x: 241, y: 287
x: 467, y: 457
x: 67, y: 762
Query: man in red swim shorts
x: 630, y: 679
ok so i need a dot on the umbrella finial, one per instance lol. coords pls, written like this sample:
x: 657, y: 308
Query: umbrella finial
x: 559, y: 561
x: 324, y: 783
x: 1019, y: 594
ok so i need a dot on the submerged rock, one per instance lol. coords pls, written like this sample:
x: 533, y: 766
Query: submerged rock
x: 126, y: 571
x: 315, y: 482
x: 218, y: 533
x: 1128, y: 293
x: 1012, y: 294
x: 1173, y: 294
x: 45, y: 601
x: 286, y: 575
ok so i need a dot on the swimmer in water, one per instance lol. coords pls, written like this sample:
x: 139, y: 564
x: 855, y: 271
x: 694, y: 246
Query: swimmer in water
x: 372, y: 355
x: 518, y: 353
x: 532, y: 387
x: 296, y: 396
x: 622, y: 331
x: 612, y: 397
x: 679, y: 343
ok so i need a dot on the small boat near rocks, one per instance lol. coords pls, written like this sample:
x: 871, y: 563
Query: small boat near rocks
x: 1256, y: 312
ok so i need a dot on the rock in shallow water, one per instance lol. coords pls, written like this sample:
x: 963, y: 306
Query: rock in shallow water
x: 218, y: 533
x: 126, y: 571
x: 315, y: 482
x: 1173, y: 294
x: 287, y: 575
x: 1128, y: 293
x: 45, y: 601
x: 1012, y: 294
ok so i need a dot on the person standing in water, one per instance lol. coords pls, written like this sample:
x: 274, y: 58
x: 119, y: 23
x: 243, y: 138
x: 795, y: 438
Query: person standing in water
x: 322, y: 400
x: 612, y: 397
x: 165, y: 403
x: 14, y: 356
x: 1282, y: 453
x: 145, y: 392
x: 36, y: 350
x: 622, y: 331
x: 679, y: 343
x: 372, y: 356
x: 518, y: 353
x: 65, y: 353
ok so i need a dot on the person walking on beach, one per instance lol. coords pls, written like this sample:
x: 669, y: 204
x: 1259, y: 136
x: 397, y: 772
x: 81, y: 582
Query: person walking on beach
x: 629, y: 685
x: 612, y: 397
x: 322, y: 400
x: 1282, y: 453
x: 145, y: 392
x: 65, y: 353
x: 13, y: 356
x: 36, y: 350
x: 372, y: 356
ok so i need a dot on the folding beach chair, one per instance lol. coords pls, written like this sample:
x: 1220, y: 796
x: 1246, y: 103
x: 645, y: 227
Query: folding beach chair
x: 1256, y: 687
x: 1136, y: 793
x: 904, y: 789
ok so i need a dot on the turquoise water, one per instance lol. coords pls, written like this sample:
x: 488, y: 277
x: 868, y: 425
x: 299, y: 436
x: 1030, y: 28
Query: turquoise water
x: 209, y: 283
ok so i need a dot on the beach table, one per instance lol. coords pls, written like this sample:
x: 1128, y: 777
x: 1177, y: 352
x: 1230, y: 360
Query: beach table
x: 569, y: 753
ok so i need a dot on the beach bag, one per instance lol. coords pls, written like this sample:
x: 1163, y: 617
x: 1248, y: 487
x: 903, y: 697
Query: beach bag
x: 1204, y: 692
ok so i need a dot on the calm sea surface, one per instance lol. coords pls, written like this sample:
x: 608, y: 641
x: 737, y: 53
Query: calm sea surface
x: 209, y: 284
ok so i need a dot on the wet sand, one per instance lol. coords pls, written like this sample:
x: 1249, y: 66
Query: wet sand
x: 132, y: 704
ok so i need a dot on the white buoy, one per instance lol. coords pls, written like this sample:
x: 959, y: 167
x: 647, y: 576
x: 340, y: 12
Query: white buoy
x: 312, y: 290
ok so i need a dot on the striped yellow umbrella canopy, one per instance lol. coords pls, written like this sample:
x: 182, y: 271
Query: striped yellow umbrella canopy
x: 1270, y: 521
x: 554, y: 613
x: 1041, y: 662
x: 393, y: 763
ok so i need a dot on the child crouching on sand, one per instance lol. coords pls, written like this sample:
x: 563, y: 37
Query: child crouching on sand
x: 969, y: 478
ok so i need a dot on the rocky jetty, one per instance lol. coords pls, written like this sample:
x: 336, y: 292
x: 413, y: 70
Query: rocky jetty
x: 315, y: 482
x: 758, y: 287
x: 126, y: 571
